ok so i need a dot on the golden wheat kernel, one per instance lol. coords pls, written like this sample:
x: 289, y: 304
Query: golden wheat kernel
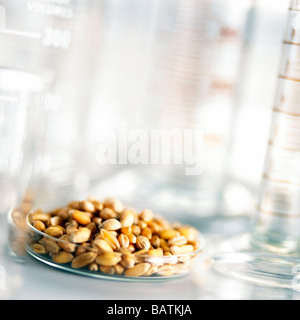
x: 62, y: 257
x: 92, y: 227
x: 136, y: 230
x: 111, y: 239
x: 119, y: 269
x: 126, y: 230
x: 41, y: 216
x: 128, y: 260
x: 153, y: 269
x: 109, y: 258
x: 114, y: 204
x: 141, y: 252
x: 123, y: 240
x: 131, y: 248
x: 168, y: 234
x: 81, y: 217
x: 63, y: 213
x: 74, y: 205
x: 87, y: 206
x: 55, y: 220
x: 102, y: 245
x: 155, y: 252
x: 147, y: 232
x: 93, y: 266
x: 39, y: 225
x: 123, y: 250
x: 83, y: 259
x: 38, y: 248
x: 81, y: 249
x: 54, y: 231
x: 114, y: 233
x: 155, y: 241
x: 132, y: 238
x: 195, y: 244
x: 138, y: 270
x: 70, y: 229
x: 164, y: 244
x: 189, y: 232
x: 166, y: 270
x: 155, y: 227
x: 111, y: 224
x: 97, y: 220
x: 66, y: 244
x: 98, y: 205
x: 108, y: 213
x: 80, y: 235
x: 175, y: 250
x: 142, y: 224
x: 73, y: 222
x: 60, y: 227
x: 127, y: 218
x: 146, y: 215
x: 107, y: 269
x: 163, y: 223
x: 177, y: 241
x: 50, y: 244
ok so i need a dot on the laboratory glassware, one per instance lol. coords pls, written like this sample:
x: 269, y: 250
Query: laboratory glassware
x: 20, y: 104
x: 196, y: 61
x: 58, y: 41
x: 269, y: 253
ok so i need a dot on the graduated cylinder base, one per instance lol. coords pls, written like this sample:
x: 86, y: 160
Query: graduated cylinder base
x: 252, y: 259
x: 275, y: 243
x: 275, y: 232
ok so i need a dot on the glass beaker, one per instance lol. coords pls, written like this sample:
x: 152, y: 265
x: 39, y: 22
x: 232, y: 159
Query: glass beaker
x: 269, y: 253
x: 19, y: 115
x: 57, y: 40
x: 20, y: 107
x: 200, y: 71
x: 178, y: 70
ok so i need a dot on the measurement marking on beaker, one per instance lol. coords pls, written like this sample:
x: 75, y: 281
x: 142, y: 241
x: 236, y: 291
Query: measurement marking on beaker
x: 288, y: 78
x: 294, y: 9
x: 21, y: 33
x: 278, y: 214
x: 286, y: 112
x: 272, y: 144
x: 291, y: 43
x: 9, y: 99
x: 267, y: 177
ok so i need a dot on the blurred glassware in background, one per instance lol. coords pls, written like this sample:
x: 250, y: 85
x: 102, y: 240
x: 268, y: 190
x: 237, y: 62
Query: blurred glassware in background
x: 46, y: 74
x: 57, y: 40
x: 269, y: 253
x: 20, y: 101
x: 277, y: 222
x: 170, y: 65
x: 124, y: 64
x: 253, y: 106
x: 197, y: 91
x: 152, y: 64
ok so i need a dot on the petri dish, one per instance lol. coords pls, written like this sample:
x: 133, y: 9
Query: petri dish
x: 147, y: 268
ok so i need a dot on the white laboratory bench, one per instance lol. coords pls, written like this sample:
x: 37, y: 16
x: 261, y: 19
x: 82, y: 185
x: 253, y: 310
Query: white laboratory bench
x: 34, y: 280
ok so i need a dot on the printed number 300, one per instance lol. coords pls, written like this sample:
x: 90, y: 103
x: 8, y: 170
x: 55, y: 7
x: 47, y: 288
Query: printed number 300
x: 56, y: 38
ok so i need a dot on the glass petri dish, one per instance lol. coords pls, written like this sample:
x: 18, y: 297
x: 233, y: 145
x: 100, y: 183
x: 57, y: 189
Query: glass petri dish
x: 61, y: 254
